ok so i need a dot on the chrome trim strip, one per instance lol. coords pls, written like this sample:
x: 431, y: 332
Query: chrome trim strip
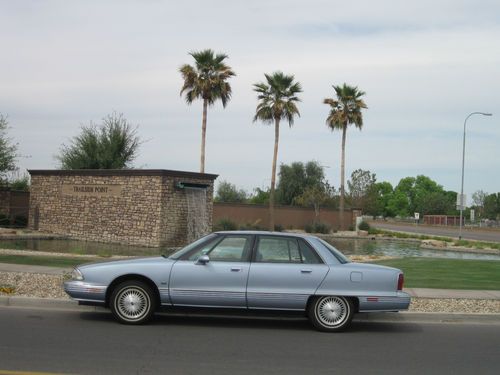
x: 206, y: 294
x: 278, y: 296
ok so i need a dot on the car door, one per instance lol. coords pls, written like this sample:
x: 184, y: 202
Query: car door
x: 284, y: 272
x: 221, y: 282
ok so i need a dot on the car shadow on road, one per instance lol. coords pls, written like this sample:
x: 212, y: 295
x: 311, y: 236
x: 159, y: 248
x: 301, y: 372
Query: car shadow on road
x: 385, y: 327
x: 253, y: 322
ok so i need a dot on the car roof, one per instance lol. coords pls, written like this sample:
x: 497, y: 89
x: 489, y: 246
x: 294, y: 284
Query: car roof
x: 262, y: 232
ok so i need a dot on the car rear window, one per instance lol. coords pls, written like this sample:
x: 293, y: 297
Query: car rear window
x: 337, y: 254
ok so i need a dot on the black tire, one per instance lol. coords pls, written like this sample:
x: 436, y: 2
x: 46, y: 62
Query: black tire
x: 331, y: 313
x: 133, y: 302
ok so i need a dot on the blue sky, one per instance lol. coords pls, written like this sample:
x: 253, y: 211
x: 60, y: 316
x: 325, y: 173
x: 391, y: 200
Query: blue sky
x: 424, y: 66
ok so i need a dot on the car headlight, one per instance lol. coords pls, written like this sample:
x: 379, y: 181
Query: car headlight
x: 76, y: 275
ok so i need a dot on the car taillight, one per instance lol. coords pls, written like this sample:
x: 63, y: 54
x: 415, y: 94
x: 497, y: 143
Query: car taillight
x: 401, y: 280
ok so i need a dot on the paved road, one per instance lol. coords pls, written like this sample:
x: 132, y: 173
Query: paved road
x: 92, y: 343
x: 470, y: 234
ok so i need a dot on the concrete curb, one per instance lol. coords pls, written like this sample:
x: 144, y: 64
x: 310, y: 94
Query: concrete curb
x: 44, y: 303
x: 402, y: 317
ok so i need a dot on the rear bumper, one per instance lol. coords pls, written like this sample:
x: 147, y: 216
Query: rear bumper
x: 398, y: 302
x: 85, y: 292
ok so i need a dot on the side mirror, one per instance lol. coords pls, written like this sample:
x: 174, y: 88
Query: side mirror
x: 204, y: 259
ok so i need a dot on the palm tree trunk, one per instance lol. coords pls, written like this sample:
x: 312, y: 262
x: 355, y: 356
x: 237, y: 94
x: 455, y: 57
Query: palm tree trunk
x: 273, y: 175
x: 342, y: 179
x: 203, y: 135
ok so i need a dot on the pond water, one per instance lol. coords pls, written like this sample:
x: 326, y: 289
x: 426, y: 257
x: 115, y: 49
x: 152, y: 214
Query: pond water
x: 400, y: 249
x: 347, y: 246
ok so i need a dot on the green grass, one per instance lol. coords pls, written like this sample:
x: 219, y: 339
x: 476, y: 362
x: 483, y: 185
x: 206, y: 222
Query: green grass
x: 448, y: 273
x: 33, y: 260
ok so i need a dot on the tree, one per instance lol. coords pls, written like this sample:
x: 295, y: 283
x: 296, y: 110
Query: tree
x: 227, y: 192
x: 492, y: 206
x: 20, y: 183
x: 423, y: 195
x: 345, y: 110
x: 259, y: 197
x: 295, y: 178
x: 8, y: 150
x: 377, y: 199
x: 359, y: 185
x: 397, y: 204
x: 206, y: 80
x: 315, y: 196
x: 112, y: 145
x: 277, y: 101
x: 478, y: 198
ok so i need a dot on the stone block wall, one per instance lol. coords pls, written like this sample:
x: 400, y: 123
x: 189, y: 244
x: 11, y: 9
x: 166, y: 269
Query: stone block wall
x: 136, y: 207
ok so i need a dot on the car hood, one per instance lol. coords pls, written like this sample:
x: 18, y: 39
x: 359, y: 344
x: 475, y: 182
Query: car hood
x: 124, y: 262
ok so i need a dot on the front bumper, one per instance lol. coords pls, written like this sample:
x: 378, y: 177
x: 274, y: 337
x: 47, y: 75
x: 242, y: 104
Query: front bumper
x: 84, y: 291
x: 399, y: 301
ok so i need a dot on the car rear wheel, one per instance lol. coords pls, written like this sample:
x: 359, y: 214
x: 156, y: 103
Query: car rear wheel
x: 133, y: 302
x: 331, y: 313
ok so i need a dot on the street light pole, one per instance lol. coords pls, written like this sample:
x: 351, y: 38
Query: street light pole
x: 463, y: 166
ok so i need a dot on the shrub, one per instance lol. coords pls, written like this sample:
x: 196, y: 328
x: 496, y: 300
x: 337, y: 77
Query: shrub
x: 225, y: 224
x: 4, y: 220
x: 278, y: 228
x: 364, y: 226
x: 20, y: 221
x: 252, y: 226
x: 7, y: 289
x: 317, y: 228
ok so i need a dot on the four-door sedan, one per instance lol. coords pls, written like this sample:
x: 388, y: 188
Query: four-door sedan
x: 244, y: 270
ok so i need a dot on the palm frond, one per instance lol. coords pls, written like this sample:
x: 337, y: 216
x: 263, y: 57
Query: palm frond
x: 346, y: 108
x: 277, y: 97
x: 207, y: 79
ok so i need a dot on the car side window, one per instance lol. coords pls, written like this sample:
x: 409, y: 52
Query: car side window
x: 193, y: 255
x: 230, y: 249
x: 278, y: 250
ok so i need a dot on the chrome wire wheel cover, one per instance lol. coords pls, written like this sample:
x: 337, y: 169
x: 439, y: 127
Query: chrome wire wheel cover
x: 132, y: 303
x: 332, y: 311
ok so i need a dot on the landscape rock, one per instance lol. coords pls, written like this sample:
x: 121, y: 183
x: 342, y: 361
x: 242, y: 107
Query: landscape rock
x: 434, y: 243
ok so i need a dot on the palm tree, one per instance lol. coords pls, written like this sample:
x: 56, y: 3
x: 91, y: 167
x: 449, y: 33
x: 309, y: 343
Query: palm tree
x: 345, y: 110
x: 206, y: 80
x: 277, y: 101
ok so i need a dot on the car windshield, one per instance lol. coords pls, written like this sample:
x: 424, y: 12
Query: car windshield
x: 191, y: 246
x: 337, y: 254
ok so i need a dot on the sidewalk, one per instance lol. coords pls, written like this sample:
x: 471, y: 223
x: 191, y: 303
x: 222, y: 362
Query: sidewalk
x: 414, y: 292
x: 453, y: 293
x: 8, y: 267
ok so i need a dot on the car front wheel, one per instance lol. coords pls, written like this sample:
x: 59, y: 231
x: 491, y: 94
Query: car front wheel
x: 133, y: 302
x: 331, y: 313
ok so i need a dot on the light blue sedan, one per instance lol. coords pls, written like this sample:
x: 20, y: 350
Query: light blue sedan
x: 243, y: 270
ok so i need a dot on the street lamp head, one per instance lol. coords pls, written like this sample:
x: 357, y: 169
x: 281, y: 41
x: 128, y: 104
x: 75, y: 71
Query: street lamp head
x: 487, y: 114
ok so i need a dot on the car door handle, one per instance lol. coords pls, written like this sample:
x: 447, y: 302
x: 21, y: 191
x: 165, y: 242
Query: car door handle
x: 235, y: 269
x: 308, y: 270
